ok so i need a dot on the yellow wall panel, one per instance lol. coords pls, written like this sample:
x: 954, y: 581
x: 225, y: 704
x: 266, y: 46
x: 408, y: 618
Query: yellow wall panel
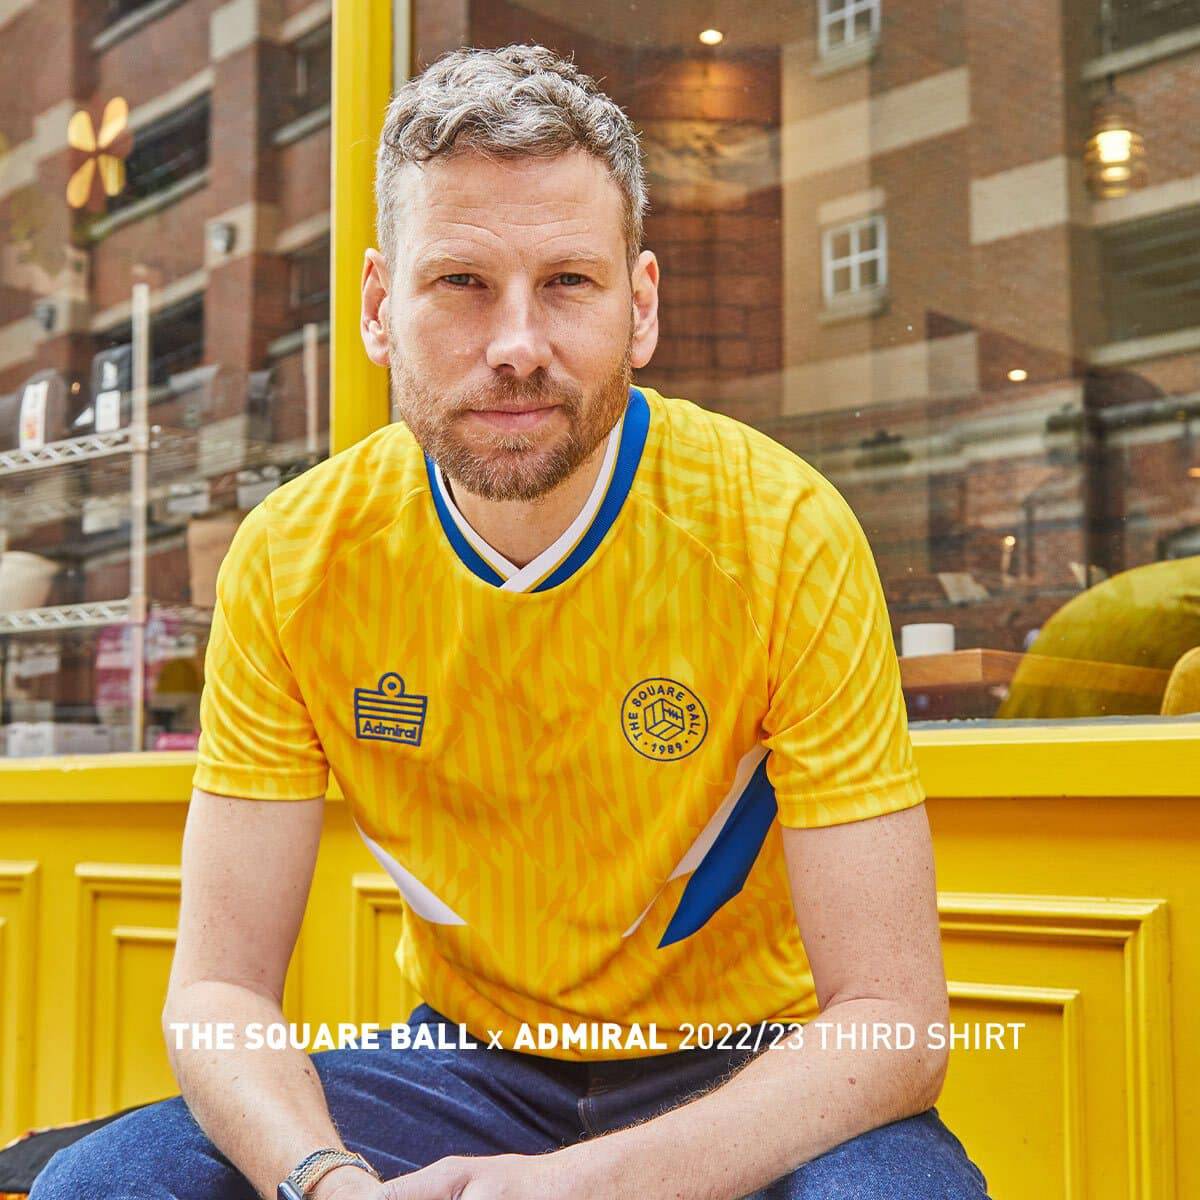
x: 378, y: 994
x: 125, y: 938
x: 1020, y: 1112
x: 1100, y: 896
x: 1114, y: 955
x: 18, y: 979
x: 1079, y: 916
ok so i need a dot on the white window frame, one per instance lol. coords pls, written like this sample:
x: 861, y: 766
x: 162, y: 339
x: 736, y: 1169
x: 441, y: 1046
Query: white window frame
x: 843, y: 12
x: 855, y: 259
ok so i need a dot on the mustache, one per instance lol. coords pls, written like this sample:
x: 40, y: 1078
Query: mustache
x: 515, y: 394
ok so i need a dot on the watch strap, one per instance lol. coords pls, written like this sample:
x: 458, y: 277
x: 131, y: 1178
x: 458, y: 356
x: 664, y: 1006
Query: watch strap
x: 311, y: 1169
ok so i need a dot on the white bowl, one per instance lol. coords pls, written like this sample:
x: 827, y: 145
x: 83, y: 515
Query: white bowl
x: 25, y: 580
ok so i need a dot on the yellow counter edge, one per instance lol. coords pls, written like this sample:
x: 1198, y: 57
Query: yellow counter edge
x: 1069, y: 760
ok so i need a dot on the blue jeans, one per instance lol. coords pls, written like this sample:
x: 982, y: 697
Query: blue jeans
x: 404, y: 1109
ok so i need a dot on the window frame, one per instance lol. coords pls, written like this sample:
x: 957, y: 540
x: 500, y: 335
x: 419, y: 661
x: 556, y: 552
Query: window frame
x: 299, y: 102
x: 855, y: 259
x: 165, y: 128
x: 298, y: 262
x: 844, y: 14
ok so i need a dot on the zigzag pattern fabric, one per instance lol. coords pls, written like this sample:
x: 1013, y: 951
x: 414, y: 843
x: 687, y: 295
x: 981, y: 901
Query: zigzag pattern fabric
x: 577, y: 773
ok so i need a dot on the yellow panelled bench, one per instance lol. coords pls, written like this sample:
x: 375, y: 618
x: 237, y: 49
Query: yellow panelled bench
x: 1069, y: 874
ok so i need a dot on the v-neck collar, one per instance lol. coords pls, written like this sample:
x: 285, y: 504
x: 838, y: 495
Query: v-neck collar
x: 560, y: 560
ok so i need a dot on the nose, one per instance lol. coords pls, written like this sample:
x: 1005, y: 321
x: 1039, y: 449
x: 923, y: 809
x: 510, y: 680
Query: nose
x: 519, y: 341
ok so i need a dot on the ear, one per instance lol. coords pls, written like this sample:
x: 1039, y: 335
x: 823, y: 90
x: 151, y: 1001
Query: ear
x: 374, y: 320
x: 645, y: 309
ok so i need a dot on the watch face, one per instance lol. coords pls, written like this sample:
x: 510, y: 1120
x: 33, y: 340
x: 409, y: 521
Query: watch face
x: 288, y: 1192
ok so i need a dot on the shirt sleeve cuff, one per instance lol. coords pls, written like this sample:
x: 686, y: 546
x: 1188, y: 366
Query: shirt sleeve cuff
x: 857, y: 803
x: 259, y: 783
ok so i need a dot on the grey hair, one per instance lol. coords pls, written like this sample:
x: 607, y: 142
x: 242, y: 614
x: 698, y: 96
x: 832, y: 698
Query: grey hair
x: 511, y: 103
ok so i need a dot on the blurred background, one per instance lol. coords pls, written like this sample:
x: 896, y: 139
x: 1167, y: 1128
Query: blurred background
x: 948, y: 253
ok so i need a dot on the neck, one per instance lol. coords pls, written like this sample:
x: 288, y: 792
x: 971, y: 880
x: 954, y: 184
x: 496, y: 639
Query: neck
x: 522, y: 529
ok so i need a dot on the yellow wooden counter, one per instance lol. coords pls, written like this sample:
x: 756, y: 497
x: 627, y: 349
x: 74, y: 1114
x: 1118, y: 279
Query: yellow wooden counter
x: 1069, y: 874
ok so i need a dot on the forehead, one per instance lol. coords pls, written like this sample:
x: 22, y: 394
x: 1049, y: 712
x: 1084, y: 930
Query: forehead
x: 522, y: 204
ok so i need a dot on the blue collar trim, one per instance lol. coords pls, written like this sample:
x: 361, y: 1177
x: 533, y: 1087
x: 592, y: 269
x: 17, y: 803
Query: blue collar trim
x: 629, y: 455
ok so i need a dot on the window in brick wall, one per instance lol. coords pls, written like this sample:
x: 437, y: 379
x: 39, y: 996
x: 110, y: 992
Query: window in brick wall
x: 311, y: 73
x: 308, y: 281
x: 854, y: 260
x: 844, y: 23
x: 176, y: 338
x: 1151, y: 271
x: 166, y: 151
x: 1134, y: 22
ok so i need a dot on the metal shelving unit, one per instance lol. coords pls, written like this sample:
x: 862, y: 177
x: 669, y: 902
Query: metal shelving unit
x: 96, y: 614
x: 134, y: 441
x: 72, y: 450
x: 177, y: 456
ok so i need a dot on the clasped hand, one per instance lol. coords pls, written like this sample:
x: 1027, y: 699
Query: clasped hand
x: 552, y: 1176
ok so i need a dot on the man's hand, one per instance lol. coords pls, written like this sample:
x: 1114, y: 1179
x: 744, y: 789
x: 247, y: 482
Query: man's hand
x: 561, y: 1175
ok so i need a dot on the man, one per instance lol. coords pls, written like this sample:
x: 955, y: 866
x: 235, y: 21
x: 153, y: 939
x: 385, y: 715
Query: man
x: 608, y: 683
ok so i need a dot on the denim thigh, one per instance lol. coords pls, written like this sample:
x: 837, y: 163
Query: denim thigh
x: 917, y: 1158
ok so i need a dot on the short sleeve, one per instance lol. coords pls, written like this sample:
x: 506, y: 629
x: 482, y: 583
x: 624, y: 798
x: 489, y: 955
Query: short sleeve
x: 257, y: 739
x: 836, y: 725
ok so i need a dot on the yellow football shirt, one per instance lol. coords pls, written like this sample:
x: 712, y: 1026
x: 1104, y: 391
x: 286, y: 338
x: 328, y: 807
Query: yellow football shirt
x: 574, y: 771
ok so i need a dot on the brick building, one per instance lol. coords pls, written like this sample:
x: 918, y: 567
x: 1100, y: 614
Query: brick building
x: 217, y: 116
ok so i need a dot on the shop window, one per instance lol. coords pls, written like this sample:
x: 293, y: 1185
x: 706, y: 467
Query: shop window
x: 165, y: 152
x: 1151, y: 272
x: 854, y: 260
x: 845, y: 23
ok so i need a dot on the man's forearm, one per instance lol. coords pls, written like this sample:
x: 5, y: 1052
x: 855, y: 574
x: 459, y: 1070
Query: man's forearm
x: 264, y: 1109
x: 782, y: 1109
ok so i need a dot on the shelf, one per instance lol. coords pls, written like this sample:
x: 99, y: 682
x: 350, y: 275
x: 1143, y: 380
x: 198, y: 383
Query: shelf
x: 70, y: 450
x: 94, y: 615
x: 175, y: 456
x: 961, y: 669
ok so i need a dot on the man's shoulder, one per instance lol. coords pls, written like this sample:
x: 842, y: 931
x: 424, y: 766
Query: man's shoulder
x: 708, y: 467
x: 336, y: 504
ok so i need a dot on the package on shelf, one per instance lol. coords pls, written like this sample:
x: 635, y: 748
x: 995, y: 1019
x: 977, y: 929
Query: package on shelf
x: 45, y: 410
x: 10, y: 416
x: 208, y: 539
x: 35, y: 739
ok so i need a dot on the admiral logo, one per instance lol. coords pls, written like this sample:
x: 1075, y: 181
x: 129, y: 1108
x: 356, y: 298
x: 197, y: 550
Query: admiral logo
x: 388, y: 713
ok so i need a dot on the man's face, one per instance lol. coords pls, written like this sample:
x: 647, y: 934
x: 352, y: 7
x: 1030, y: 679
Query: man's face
x: 509, y: 320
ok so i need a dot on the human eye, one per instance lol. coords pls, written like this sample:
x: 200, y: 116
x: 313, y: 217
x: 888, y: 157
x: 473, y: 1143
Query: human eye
x: 572, y: 279
x: 459, y: 279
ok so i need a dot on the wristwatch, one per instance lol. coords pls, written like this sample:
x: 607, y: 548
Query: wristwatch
x: 314, y: 1167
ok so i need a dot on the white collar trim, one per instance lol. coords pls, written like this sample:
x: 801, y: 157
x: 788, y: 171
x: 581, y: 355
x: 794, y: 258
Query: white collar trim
x: 526, y: 578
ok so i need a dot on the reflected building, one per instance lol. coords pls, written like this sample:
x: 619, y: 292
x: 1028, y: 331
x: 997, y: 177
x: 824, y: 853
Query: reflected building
x: 185, y: 146
x: 879, y: 245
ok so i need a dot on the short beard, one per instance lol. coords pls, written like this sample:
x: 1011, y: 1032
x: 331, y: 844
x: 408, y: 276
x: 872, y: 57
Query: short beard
x: 513, y: 468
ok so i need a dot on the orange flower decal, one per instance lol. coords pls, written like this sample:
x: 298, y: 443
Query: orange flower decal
x: 105, y: 152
